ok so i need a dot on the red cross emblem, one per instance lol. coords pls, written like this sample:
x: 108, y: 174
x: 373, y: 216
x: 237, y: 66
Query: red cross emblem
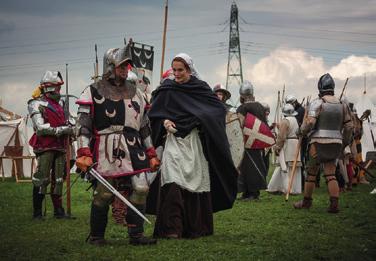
x: 257, y: 134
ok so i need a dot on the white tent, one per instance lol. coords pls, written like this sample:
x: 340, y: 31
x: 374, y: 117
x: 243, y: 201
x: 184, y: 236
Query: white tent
x: 369, y: 125
x: 14, y: 141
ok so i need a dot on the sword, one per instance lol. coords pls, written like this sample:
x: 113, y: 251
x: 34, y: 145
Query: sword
x: 104, y: 182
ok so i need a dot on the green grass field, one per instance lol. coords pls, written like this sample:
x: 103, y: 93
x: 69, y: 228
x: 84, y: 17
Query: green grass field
x: 269, y: 229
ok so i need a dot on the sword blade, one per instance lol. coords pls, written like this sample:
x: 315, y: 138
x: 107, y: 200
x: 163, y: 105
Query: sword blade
x: 116, y: 193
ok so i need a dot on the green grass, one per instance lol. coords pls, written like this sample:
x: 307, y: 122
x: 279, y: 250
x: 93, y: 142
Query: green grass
x: 269, y: 229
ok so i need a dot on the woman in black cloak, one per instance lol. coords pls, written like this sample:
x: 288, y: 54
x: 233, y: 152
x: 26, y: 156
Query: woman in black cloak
x: 198, y: 176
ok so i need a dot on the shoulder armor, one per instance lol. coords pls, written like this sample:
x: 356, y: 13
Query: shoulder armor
x: 34, y: 106
x: 314, y: 108
x: 85, y: 98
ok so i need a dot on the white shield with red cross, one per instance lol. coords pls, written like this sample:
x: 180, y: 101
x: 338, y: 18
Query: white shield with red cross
x: 257, y: 134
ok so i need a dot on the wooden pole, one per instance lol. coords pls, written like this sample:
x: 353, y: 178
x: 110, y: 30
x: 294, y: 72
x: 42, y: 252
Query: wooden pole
x: 67, y: 145
x: 276, y: 115
x: 96, y: 75
x: 283, y: 94
x: 343, y: 89
x: 292, y: 174
x: 164, y: 37
x: 297, y: 152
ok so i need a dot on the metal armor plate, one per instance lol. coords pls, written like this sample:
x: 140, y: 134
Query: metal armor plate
x: 330, y: 121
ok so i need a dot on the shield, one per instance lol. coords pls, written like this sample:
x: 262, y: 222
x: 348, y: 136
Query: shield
x: 257, y: 135
x: 235, y: 137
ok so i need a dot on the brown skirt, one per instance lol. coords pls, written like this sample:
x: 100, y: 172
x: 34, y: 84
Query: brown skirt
x: 183, y: 213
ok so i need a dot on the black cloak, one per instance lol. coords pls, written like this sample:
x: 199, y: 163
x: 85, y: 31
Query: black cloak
x: 190, y: 105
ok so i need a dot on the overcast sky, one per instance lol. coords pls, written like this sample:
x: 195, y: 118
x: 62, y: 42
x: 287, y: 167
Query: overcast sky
x: 291, y: 42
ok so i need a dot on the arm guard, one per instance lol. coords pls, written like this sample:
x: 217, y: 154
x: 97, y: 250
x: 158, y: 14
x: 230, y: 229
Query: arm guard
x: 312, y: 115
x: 41, y: 127
x: 84, y: 126
x: 314, y: 108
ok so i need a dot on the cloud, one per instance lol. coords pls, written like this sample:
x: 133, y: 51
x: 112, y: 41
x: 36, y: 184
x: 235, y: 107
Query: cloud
x: 286, y: 66
x: 354, y: 66
x: 299, y: 71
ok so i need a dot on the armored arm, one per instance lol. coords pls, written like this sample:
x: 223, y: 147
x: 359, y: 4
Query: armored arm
x: 313, y: 113
x: 84, y: 130
x: 145, y: 133
x: 36, y: 108
x: 84, y: 125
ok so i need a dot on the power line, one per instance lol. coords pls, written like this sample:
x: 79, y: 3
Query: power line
x: 307, y: 29
x: 100, y: 37
x: 308, y: 37
x: 323, y: 50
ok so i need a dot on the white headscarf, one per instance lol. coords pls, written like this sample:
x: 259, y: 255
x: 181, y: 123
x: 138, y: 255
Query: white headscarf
x: 190, y: 63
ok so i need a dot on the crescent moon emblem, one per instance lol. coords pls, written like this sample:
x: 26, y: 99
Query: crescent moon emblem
x: 111, y: 115
x: 132, y: 142
x: 143, y: 64
x: 137, y: 54
x: 142, y: 156
x: 148, y: 56
x: 100, y: 101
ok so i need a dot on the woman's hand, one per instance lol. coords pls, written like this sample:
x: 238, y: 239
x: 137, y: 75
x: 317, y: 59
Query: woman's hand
x: 170, y: 126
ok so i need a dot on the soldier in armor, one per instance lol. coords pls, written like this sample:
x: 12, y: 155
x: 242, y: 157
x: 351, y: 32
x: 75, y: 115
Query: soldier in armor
x: 48, y: 141
x: 222, y: 94
x: 285, y: 147
x: 253, y: 171
x: 291, y: 99
x: 114, y: 132
x: 328, y: 126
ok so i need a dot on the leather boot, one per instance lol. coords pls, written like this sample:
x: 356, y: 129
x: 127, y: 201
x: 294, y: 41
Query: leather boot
x: 37, y: 204
x: 304, y: 203
x: 136, y: 228
x: 57, y: 202
x: 137, y: 240
x: 333, y: 207
x: 98, y: 223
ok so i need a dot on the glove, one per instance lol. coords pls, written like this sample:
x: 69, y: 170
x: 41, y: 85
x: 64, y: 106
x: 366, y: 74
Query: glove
x: 84, y: 158
x: 64, y: 130
x: 84, y: 162
x: 154, y: 164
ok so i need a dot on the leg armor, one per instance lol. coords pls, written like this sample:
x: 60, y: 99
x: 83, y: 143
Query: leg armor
x: 140, y: 188
x: 41, y: 177
x: 102, y: 198
x: 59, y: 166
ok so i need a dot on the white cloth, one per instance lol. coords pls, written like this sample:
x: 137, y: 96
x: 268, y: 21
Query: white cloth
x: 280, y: 181
x: 190, y: 63
x: 281, y: 175
x: 291, y: 142
x: 184, y: 163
